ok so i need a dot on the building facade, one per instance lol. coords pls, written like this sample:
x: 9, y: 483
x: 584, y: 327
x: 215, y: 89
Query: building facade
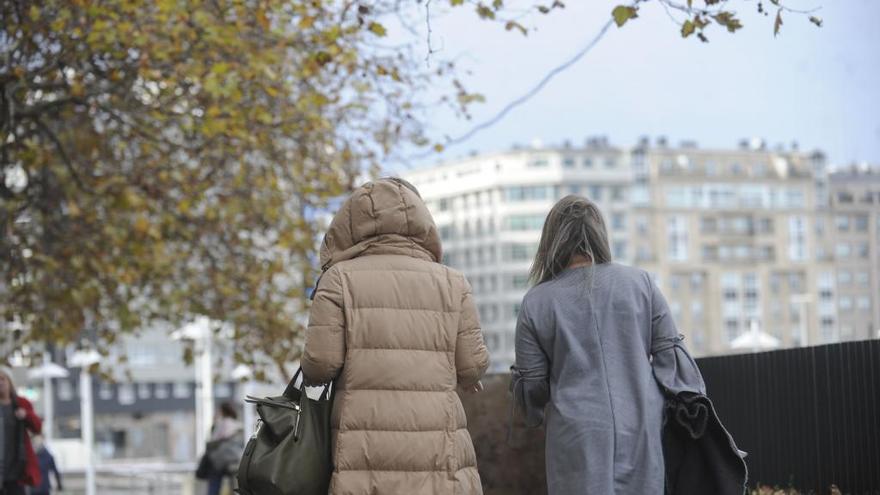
x: 733, y: 237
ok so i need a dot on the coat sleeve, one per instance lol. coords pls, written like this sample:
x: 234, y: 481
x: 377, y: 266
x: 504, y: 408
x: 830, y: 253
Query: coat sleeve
x: 674, y: 368
x: 31, y: 420
x: 324, y: 352
x: 530, y: 380
x: 471, y: 355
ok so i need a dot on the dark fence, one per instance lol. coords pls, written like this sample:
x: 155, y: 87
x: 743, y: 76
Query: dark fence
x: 808, y: 418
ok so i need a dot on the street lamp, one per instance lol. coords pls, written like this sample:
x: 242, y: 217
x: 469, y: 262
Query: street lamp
x: 84, y: 359
x: 47, y: 371
x: 242, y: 372
x: 199, y: 332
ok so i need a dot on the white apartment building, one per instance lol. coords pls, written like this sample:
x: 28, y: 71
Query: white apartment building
x: 729, y: 235
x: 490, y: 210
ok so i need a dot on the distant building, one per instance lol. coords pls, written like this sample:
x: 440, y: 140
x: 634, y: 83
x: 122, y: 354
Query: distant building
x: 490, y: 210
x: 731, y: 236
x: 849, y: 234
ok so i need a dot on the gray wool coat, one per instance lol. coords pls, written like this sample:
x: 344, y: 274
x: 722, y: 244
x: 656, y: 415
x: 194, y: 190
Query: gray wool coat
x: 589, y: 344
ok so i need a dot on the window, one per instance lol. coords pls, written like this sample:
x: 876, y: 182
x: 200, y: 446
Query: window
x: 697, y: 309
x: 827, y: 330
x: 105, y: 391
x: 842, y: 250
x: 708, y: 225
x: 731, y: 329
x: 143, y: 391
x: 524, y: 222
x: 161, y: 390
x: 863, y: 302
x: 863, y: 250
x: 516, y: 252
x: 697, y: 281
x: 539, y: 162
x: 65, y: 390
x: 596, y: 193
x: 515, y: 311
x: 797, y: 229
x: 862, y: 279
x: 765, y: 225
x: 796, y: 282
x: 844, y: 277
x: 618, y: 193
x: 861, y: 223
x: 618, y: 221
x: 842, y: 222
x: 641, y: 225
x: 181, y: 390
x: 568, y: 162
x: 126, y: 394
x: 447, y: 232
x: 528, y: 193
x: 222, y: 391
x: 620, y: 249
x: 710, y: 253
x: 610, y: 162
x: 677, y: 238
x: 520, y: 281
x: 675, y: 281
x: 443, y: 205
x: 588, y: 162
x: 845, y: 303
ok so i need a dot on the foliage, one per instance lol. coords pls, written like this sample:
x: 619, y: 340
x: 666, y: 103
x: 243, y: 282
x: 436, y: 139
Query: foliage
x: 162, y: 160
x: 698, y: 18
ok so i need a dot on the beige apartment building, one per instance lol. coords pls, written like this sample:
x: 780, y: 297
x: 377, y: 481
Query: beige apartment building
x: 738, y: 239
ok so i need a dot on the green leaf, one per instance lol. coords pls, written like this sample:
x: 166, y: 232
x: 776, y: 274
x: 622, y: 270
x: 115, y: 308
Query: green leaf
x: 543, y: 9
x: 815, y: 20
x: 515, y: 25
x: 485, y: 12
x: 687, y: 29
x: 438, y: 148
x: 727, y: 20
x: 377, y: 29
x: 778, y: 23
x: 622, y: 13
x: 497, y: 4
x: 456, y: 2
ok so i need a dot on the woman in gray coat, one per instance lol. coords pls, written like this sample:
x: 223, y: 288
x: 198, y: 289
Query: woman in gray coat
x: 585, y: 340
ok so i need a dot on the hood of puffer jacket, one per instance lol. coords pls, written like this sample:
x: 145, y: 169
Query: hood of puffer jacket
x: 381, y: 217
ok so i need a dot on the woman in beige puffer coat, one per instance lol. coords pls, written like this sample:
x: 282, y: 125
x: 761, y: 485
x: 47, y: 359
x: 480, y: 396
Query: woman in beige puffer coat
x: 398, y: 332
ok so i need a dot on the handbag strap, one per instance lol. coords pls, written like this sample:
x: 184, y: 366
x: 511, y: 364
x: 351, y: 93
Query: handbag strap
x: 292, y: 387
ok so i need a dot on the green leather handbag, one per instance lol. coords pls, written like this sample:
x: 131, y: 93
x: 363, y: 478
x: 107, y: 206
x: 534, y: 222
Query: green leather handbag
x: 289, y: 452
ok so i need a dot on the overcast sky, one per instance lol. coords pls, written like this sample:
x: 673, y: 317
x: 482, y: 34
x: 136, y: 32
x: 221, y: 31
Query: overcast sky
x: 817, y: 86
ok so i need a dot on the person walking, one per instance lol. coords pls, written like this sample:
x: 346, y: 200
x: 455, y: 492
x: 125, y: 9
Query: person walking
x: 588, y: 366
x: 17, y: 460
x: 397, y: 332
x: 224, y: 447
x: 46, y: 461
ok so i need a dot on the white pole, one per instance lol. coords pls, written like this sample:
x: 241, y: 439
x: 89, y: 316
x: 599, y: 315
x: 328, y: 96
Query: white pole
x: 88, y: 434
x: 200, y: 437
x: 48, y: 404
x: 248, y: 412
x: 207, y: 385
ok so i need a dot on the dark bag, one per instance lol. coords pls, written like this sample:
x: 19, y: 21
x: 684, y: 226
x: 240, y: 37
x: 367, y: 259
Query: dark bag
x: 205, y: 469
x: 224, y: 454
x: 289, y: 452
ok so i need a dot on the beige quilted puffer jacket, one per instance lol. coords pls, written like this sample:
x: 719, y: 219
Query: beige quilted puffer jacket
x: 398, y: 332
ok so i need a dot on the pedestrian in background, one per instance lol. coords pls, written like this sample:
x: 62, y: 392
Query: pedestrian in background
x: 17, y: 460
x: 224, y: 447
x: 47, y: 468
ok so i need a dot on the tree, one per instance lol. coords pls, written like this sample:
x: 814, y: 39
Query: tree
x: 168, y: 159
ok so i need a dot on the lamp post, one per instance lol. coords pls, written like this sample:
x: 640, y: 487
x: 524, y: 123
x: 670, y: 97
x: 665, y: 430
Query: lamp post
x: 242, y: 372
x: 199, y: 332
x: 84, y: 359
x: 47, y: 371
